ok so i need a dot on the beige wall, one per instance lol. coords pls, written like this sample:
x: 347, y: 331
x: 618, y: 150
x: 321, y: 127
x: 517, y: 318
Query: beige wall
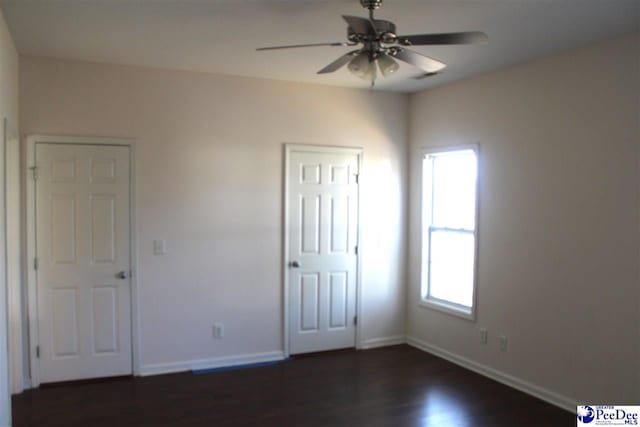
x: 559, y: 220
x: 209, y: 181
x: 8, y: 110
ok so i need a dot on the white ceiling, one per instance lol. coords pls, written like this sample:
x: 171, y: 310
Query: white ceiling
x: 220, y: 36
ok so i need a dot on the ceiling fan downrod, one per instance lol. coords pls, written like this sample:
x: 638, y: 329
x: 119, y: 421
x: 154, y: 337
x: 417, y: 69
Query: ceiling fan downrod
x: 371, y: 5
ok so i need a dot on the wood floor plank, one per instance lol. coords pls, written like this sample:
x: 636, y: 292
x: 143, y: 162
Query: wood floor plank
x: 393, y: 386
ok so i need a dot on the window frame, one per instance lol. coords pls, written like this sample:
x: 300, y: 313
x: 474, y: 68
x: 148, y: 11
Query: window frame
x: 426, y: 230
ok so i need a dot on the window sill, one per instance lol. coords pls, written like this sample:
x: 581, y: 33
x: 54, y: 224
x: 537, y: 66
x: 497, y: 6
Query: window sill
x: 450, y: 309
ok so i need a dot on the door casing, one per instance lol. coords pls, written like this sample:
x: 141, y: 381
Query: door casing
x: 30, y: 271
x: 288, y: 149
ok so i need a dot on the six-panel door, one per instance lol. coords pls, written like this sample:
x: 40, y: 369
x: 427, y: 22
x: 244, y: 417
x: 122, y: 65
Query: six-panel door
x: 323, y: 211
x: 83, y: 253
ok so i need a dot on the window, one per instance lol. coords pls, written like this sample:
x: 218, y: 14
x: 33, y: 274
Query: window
x: 449, y: 210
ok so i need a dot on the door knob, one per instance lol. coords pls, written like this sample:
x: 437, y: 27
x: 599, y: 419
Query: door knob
x: 121, y: 275
x: 294, y: 264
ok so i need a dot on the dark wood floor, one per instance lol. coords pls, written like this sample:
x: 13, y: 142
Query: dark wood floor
x: 394, y: 386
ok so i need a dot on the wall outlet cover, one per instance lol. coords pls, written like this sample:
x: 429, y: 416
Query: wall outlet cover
x: 483, y: 335
x: 218, y: 330
x: 503, y: 343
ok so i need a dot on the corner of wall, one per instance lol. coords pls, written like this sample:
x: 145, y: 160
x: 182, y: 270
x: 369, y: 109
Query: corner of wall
x: 8, y: 111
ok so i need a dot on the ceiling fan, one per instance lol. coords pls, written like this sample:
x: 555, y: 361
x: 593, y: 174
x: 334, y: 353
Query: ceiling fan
x: 379, y: 44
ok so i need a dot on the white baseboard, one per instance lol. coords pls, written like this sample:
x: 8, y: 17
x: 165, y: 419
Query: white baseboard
x: 382, y: 342
x: 548, y: 396
x: 218, y: 362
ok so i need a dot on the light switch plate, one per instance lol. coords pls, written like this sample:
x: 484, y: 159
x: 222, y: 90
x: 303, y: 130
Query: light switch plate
x: 159, y: 247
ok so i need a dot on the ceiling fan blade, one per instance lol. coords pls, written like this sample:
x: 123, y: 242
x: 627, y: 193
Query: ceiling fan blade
x: 295, y: 46
x: 423, y: 62
x: 359, y: 25
x: 443, y: 38
x: 339, y: 63
x: 425, y: 75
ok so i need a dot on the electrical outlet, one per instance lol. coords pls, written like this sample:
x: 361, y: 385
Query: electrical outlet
x: 503, y: 343
x: 483, y: 335
x: 218, y: 330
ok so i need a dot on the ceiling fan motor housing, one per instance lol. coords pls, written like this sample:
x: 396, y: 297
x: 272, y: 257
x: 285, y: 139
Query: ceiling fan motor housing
x: 386, y: 30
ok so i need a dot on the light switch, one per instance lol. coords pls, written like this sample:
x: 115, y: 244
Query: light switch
x: 159, y: 247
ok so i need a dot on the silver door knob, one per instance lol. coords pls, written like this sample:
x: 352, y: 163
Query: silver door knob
x: 294, y: 264
x: 121, y: 275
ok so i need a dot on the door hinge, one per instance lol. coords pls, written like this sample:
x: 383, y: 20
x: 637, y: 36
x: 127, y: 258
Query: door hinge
x: 355, y: 320
x: 355, y: 249
x: 34, y: 172
x: 35, y: 263
x: 357, y: 178
x: 38, y: 352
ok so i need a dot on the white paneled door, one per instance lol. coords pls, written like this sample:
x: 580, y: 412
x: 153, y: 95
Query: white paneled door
x: 323, y: 231
x: 83, y: 261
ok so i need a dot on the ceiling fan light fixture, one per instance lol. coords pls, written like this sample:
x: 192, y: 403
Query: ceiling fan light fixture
x: 373, y: 74
x: 361, y: 66
x: 387, y: 64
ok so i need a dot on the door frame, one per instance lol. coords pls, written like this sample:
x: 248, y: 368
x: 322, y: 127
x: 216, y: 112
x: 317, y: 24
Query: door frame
x: 304, y: 148
x: 30, y: 225
x: 14, y: 249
